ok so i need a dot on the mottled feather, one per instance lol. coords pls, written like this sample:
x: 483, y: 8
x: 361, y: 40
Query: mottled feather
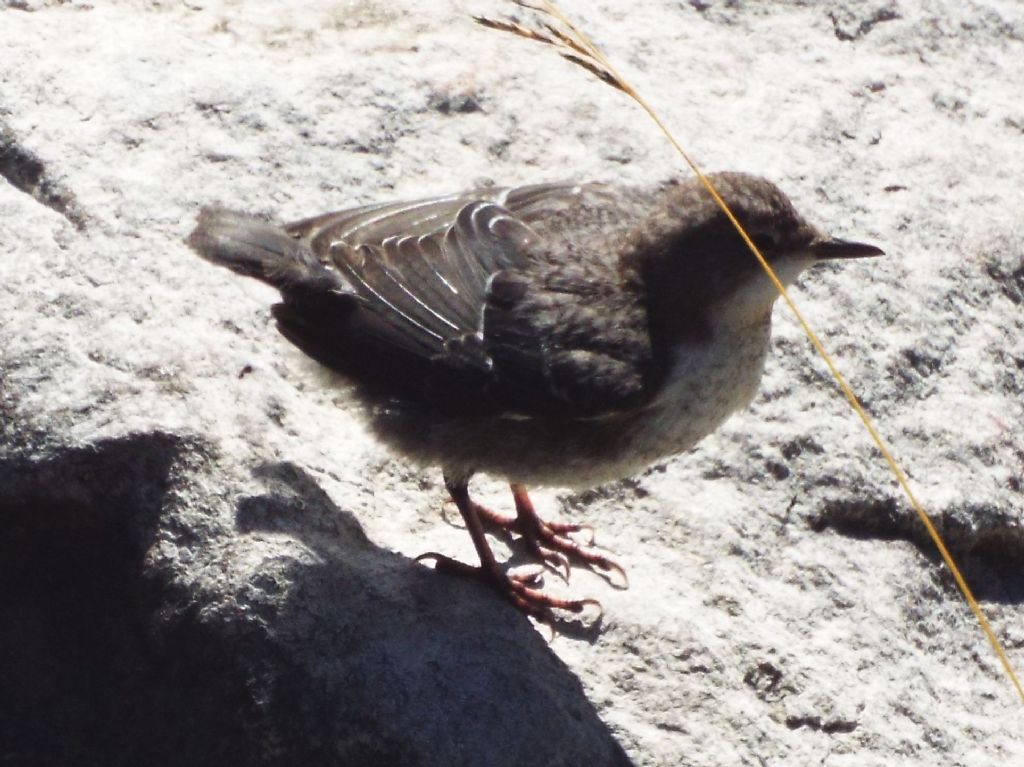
x: 456, y: 304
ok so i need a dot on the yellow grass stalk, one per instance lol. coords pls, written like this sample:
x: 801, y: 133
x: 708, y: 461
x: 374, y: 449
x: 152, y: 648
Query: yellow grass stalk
x: 558, y: 32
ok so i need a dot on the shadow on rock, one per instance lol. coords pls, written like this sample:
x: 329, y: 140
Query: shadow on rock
x: 987, y: 541
x: 147, y: 618
x: 82, y: 679
x: 368, y: 658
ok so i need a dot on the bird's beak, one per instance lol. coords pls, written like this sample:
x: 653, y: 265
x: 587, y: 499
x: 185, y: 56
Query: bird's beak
x: 828, y: 249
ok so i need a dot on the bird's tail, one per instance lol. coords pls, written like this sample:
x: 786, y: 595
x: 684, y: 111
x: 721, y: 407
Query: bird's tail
x: 254, y: 248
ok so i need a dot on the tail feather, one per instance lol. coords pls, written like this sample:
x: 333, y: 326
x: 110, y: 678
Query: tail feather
x: 255, y: 248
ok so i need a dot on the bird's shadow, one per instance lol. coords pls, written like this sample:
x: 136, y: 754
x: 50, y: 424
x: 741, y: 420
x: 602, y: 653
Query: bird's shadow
x: 359, y: 619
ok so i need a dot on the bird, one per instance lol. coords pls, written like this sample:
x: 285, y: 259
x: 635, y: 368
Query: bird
x: 553, y: 334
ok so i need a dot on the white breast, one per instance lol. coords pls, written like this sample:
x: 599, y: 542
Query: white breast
x: 706, y: 383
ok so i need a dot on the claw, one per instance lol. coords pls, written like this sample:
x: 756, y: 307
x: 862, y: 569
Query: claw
x: 519, y: 588
x: 531, y: 575
x: 446, y: 564
x: 552, y: 560
x: 551, y: 543
x: 567, y: 529
x: 614, y: 567
x: 553, y: 550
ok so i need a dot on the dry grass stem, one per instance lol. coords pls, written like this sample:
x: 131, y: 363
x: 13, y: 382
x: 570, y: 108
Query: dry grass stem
x: 556, y: 31
x: 572, y: 44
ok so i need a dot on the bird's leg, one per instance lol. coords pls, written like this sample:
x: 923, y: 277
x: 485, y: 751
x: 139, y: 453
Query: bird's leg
x: 550, y: 542
x: 516, y: 589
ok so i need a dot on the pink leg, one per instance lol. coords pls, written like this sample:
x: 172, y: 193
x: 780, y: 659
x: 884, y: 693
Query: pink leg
x: 516, y: 589
x: 550, y: 542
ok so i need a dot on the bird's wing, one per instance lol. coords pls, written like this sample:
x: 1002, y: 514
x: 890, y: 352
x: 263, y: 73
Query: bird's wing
x: 426, y: 289
x: 373, y: 224
x: 567, y: 343
x: 454, y: 309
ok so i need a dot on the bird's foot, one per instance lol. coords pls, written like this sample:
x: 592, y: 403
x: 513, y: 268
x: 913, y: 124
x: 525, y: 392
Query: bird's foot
x: 518, y: 588
x: 552, y: 542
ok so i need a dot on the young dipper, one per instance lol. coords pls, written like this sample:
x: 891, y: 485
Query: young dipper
x: 554, y: 334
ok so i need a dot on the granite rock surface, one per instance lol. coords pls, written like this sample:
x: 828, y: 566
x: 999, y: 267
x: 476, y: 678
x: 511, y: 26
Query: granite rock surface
x: 206, y: 559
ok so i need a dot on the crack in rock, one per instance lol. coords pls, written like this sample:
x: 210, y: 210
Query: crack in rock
x: 816, y: 723
x: 1011, y: 281
x: 849, y: 26
x: 986, y: 541
x: 27, y: 172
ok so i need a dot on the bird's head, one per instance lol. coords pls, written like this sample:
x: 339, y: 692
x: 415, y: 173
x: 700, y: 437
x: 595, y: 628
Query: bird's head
x: 696, y: 263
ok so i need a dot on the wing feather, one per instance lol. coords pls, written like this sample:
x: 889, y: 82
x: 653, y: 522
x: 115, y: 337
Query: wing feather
x: 458, y: 303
